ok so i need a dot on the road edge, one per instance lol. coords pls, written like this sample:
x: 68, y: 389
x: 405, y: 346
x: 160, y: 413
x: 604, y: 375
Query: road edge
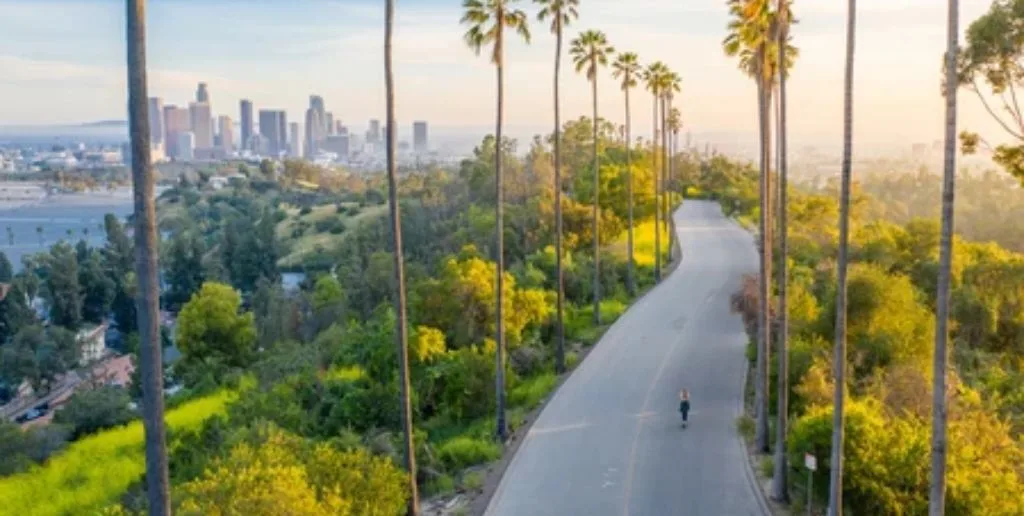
x: 479, y: 504
x: 748, y: 467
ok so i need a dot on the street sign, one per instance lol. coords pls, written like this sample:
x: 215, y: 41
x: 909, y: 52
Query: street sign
x: 810, y: 462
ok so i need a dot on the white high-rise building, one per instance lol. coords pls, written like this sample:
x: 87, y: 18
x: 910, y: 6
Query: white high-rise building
x: 156, y: 122
x: 227, y: 134
x: 186, y: 145
x: 294, y: 140
x: 202, y: 127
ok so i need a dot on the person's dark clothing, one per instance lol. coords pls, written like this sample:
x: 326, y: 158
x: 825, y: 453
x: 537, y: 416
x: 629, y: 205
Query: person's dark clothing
x: 684, y: 408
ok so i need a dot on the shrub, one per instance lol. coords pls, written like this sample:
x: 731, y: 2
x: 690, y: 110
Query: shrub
x: 91, y: 411
x: 461, y: 452
x: 305, y: 210
x: 529, y: 393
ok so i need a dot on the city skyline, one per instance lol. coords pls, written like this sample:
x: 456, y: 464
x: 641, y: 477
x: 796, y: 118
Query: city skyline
x: 334, y: 48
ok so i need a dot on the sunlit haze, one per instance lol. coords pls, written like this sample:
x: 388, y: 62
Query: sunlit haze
x: 62, y: 61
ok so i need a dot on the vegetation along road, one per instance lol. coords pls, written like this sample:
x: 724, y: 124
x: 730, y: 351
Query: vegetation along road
x: 611, y: 440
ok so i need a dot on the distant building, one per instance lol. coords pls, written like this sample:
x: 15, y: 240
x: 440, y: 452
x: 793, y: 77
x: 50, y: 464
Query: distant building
x: 202, y: 93
x: 337, y: 144
x: 419, y: 137
x: 246, y: 119
x: 156, y: 121
x: 227, y: 133
x: 176, y: 121
x: 186, y: 146
x: 272, y: 128
x: 282, y: 131
x: 92, y: 342
x: 373, y: 135
x: 201, y: 124
x: 294, y: 140
x: 329, y: 123
x: 313, y: 134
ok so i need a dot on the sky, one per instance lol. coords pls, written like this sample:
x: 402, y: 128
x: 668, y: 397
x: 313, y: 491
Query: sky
x: 62, y: 61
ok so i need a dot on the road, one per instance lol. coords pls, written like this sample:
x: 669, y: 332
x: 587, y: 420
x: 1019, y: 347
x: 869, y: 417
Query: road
x: 610, y: 442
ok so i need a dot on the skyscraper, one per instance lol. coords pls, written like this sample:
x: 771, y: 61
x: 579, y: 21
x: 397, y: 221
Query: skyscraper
x: 282, y: 131
x: 202, y: 94
x: 419, y: 137
x: 227, y: 134
x: 201, y: 124
x: 373, y: 136
x: 272, y: 124
x: 313, y: 132
x: 246, y: 129
x: 329, y: 123
x: 294, y: 140
x: 156, y: 121
x: 186, y: 145
x: 176, y: 121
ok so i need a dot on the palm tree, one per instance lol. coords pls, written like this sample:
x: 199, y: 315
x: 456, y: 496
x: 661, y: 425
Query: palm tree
x: 401, y: 337
x: 671, y: 86
x: 562, y: 13
x: 937, y: 493
x: 652, y: 77
x: 748, y: 39
x: 39, y: 231
x: 835, y: 498
x: 675, y: 123
x: 626, y: 68
x: 487, y: 20
x: 590, y: 51
x: 150, y: 359
x: 783, y: 18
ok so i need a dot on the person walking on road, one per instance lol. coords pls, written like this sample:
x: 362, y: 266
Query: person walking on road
x: 684, y: 404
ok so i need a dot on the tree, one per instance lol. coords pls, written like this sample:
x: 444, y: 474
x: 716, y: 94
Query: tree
x: 184, y: 269
x: 90, y: 411
x: 63, y: 291
x: 39, y: 356
x: 16, y: 311
x: 487, y: 20
x: 669, y: 87
x: 652, y: 77
x: 839, y: 360
x: 150, y: 359
x: 6, y: 269
x: 993, y: 55
x: 937, y: 491
x: 782, y: 18
x: 562, y: 14
x: 590, y: 51
x: 212, y: 334
x: 394, y: 210
x: 748, y: 39
x: 626, y: 68
x: 98, y: 290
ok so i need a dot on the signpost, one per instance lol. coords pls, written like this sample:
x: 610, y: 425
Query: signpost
x: 811, y: 463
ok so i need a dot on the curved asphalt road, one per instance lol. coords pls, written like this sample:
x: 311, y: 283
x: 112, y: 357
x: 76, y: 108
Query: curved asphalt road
x: 611, y: 442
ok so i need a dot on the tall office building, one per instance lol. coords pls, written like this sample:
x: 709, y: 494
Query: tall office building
x: 227, y: 134
x: 176, y: 121
x: 156, y: 122
x: 329, y: 123
x: 419, y: 137
x: 313, y: 132
x: 282, y: 131
x: 186, y: 145
x: 202, y: 126
x: 246, y: 120
x: 202, y: 94
x: 316, y: 102
x: 374, y: 136
x: 338, y: 144
x: 272, y: 124
x: 294, y: 140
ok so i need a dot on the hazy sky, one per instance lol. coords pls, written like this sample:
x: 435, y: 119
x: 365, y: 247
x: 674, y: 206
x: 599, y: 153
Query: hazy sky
x: 63, y: 61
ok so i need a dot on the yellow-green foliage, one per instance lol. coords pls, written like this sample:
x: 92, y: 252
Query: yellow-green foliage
x: 284, y: 474
x: 643, y: 244
x: 461, y: 452
x: 96, y: 470
x: 530, y: 392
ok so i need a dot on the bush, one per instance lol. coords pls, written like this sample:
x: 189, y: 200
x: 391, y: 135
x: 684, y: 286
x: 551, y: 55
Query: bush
x: 462, y: 452
x: 529, y: 393
x: 91, y: 411
x: 305, y: 210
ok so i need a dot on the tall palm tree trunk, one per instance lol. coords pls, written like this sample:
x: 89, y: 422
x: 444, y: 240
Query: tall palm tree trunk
x: 560, y: 304
x: 401, y: 337
x: 839, y: 364
x: 664, y: 173
x: 597, y: 212
x: 937, y: 492
x: 764, y: 293
x: 657, y: 190
x: 158, y: 488
x: 499, y: 255
x: 630, y: 280
x: 780, y: 489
